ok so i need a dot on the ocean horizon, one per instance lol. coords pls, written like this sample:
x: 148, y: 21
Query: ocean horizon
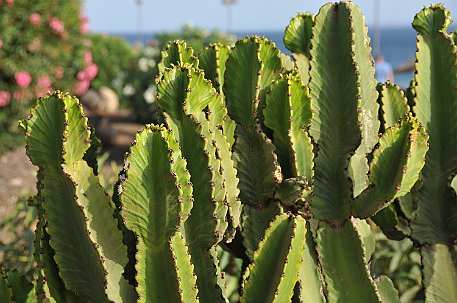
x: 397, y: 45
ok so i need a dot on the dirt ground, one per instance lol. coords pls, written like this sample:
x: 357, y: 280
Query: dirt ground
x: 17, y: 176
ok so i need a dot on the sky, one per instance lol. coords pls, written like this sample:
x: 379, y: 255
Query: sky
x: 120, y: 16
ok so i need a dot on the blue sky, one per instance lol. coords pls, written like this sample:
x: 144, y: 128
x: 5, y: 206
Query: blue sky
x: 248, y: 15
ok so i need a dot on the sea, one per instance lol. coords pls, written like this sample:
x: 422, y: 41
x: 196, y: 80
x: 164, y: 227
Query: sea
x: 397, y: 45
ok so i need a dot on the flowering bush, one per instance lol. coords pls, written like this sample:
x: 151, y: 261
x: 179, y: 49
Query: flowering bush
x: 113, y: 56
x: 138, y: 85
x: 42, y: 47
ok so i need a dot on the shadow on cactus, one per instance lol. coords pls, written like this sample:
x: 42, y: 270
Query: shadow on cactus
x: 278, y: 162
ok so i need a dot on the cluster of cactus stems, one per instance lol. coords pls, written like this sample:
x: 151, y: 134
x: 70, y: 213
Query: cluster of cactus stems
x: 279, y: 161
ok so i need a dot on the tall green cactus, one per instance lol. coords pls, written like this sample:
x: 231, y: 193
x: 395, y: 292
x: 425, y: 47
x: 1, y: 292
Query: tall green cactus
x: 57, y: 138
x: 344, y: 129
x: 430, y: 210
x: 285, y: 162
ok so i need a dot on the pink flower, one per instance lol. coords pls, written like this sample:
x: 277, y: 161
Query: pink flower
x: 23, y: 79
x: 82, y: 87
x: 1, y: 41
x: 84, y: 28
x: 58, y: 72
x: 18, y: 95
x: 44, y: 81
x: 92, y: 71
x: 56, y: 25
x: 10, y: 2
x: 82, y: 75
x: 4, y: 98
x: 35, y: 19
x: 88, y: 56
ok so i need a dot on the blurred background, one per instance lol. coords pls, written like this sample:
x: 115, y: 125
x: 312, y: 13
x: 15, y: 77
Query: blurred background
x: 106, y: 52
x: 389, y: 21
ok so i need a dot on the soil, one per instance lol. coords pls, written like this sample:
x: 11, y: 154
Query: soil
x: 17, y: 177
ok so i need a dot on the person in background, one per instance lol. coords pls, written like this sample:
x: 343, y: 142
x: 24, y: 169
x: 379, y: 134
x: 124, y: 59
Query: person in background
x: 383, y: 70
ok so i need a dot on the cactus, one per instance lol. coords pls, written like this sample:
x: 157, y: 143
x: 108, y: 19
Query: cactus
x: 343, y: 129
x: 428, y: 214
x: 278, y: 164
x: 14, y: 288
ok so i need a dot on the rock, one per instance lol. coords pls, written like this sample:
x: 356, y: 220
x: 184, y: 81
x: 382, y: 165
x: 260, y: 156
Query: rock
x: 101, y: 101
x: 110, y: 99
x: 91, y: 99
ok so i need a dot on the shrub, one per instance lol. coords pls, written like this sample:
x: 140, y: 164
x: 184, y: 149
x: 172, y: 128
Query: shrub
x: 42, y: 48
x: 113, y: 56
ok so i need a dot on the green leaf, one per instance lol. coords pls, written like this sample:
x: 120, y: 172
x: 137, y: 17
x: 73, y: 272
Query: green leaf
x: 287, y: 62
x: 454, y: 36
x: 241, y: 80
x: 229, y: 174
x: 435, y: 107
x: 76, y: 132
x: 255, y: 222
x: 177, y: 53
x: 341, y: 256
x: 297, y: 38
x: 15, y: 288
x: 184, y: 90
x: 390, y: 224
x: 287, y: 114
x: 49, y: 285
x: 283, y: 245
x: 184, y: 268
x: 367, y: 96
x: 335, y: 101
x: 5, y: 291
x: 367, y: 93
x: 454, y: 183
x: 310, y: 284
x: 43, y: 131
x: 212, y: 61
x: 82, y: 189
x: 91, y: 155
x: 207, y: 223
x: 432, y: 20
x: 440, y: 274
x: 256, y: 165
x: 395, y: 167
x: 153, y: 199
x: 102, y: 229
x: 57, y: 127
x: 387, y: 290
x: 393, y: 102
x: 250, y: 68
x: 367, y: 237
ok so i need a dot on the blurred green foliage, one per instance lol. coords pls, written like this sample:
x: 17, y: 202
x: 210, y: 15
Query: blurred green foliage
x: 401, y: 262
x: 17, y: 237
x: 112, y: 55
